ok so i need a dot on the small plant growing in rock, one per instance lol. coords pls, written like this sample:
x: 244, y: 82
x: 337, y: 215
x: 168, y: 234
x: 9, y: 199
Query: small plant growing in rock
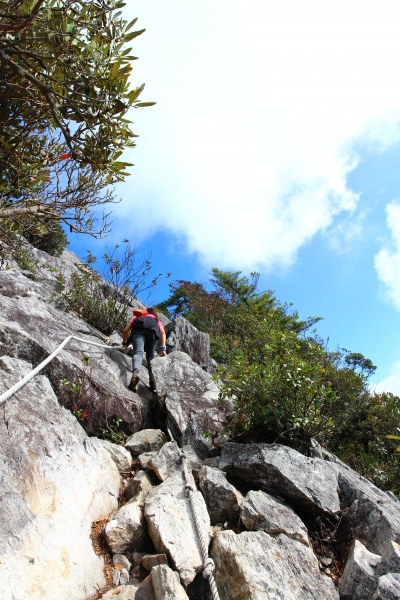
x: 79, y: 388
x: 73, y: 387
x: 112, y: 432
x: 80, y: 414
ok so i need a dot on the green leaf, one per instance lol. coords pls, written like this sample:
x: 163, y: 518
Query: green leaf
x: 131, y: 36
x: 144, y: 104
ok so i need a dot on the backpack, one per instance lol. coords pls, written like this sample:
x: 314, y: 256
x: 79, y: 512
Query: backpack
x: 144, y: 323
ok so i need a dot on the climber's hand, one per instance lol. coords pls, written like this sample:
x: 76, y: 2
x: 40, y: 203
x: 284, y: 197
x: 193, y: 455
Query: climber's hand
x: 162, y: 353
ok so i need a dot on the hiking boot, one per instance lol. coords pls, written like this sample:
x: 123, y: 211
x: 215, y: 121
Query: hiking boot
x: 134, y: 381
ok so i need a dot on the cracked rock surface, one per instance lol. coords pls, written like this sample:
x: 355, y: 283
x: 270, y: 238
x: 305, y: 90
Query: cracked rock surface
x: 54, y: 482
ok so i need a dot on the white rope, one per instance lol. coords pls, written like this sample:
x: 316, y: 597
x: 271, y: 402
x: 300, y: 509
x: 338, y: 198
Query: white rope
x: 208, y: 563
x: 15, y: 388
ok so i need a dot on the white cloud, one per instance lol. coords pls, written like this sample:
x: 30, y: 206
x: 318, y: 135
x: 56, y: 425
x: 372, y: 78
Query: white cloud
x: 387, y: 261
x: 260, y: 107
x: 390, y: 383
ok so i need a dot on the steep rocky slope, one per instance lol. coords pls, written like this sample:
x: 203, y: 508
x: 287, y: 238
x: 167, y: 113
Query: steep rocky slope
x: 280, y: 525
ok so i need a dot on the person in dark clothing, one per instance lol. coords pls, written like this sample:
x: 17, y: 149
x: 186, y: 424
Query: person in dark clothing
x: 146, y: 332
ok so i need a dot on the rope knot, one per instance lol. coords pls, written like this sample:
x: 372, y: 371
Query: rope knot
x: 209, y: 568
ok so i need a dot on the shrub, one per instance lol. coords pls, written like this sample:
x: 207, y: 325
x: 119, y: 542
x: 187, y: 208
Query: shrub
x: 285, y: 396
x: 50, y: 238
x: 105, y: 301
x: 287, y: 387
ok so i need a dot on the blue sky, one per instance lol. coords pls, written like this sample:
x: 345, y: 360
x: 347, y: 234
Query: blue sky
x: 274, y: 146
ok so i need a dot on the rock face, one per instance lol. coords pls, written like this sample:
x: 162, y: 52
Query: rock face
x: 152, y: 560
x: 183, y: 336
x: 147, y: 440
x: 190, y: 398
x: 121, y: 457
x: 54, y: 483
x: 308, y: 483
x: 223, y: 499
x: 373, y: 516
x: 166, y: 584
x: 145, y: 458
x: 260, y: 511
x: 139, y: 487
x: 171, y: 526
x: 358, y: 581
x: 166, y: 461
x: 390, y: 562
x: 31, y: 328
x: 126, y: 530
x: 255, y: 565
x: 388, y: 587
x: 55, y: 480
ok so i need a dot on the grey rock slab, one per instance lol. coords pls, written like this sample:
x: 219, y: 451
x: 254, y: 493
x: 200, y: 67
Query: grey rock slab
x: 262, y: 512
x: 167, y: 461
x: 309, y: 483
x: 139, y: 487
x: 189, y: 396
x: 146, y: 440
x: 54, y: 483
x: 115, y: 339
x: 126, y: 529
x: 390, y: 562
x: 145, y: 458
x: 121, y: 456
x: 152, y: 560
x: 223, y: 499
x: 359, y: 579
x: 373, y: 523
x: 183, y: 336
x: 257, y: 566
x: 373, y: 516
x: 194, y: 460
x: 31, y: 329
x: 146, y: 590
x: 172, y: 528
x: 166, y: 584
x: 388, y: 587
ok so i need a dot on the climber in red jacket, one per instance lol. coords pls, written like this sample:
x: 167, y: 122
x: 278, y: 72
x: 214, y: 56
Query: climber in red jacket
x: 146, y: 332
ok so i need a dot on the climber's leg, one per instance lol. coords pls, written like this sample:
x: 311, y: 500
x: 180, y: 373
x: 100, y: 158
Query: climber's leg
x: 151, y: 345
x: 138, y: 351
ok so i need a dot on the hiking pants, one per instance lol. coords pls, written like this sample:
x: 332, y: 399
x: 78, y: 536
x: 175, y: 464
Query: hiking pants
x: 141, y: 343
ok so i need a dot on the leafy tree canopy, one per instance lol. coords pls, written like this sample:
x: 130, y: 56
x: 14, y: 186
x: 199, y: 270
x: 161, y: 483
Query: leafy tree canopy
x: 64, y: 95
x: 231, y: 310
x: 285, y: 385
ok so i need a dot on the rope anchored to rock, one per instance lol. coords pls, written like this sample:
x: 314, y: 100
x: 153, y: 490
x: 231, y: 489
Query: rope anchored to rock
x: 20, y: 384
x: 208, y: 563
x: 190, y: 491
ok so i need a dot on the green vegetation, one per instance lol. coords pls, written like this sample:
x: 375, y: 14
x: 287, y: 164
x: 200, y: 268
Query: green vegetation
x: 49, y: 237
x: 286, y: 385
x: 105, y: 300
x: 64, y: 95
